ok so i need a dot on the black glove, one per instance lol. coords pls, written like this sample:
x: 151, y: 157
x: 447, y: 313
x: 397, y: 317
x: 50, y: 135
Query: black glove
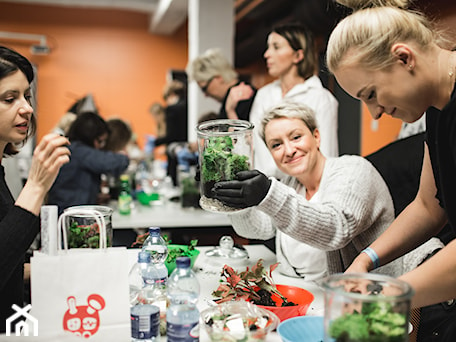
x: 249, y: 189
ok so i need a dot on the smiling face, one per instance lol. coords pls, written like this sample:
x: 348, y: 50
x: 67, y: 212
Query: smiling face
x: 395, y: 91
x: 294, y: 148
x: 15, y: 108
x: 280, y: 56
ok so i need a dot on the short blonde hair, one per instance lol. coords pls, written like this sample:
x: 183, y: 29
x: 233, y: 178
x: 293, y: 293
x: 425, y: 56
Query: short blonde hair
x: 367, y: 35
x: 289, y: 109
x: 210, y: 64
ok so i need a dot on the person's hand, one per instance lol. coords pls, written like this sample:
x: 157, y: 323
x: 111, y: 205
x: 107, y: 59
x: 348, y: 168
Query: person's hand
x: 238, y: 93
x: 359, y: 265
x: 249, y: 189
x: 48, y: 157
x: 50, y: 154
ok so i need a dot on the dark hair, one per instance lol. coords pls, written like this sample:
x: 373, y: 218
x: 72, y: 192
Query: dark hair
x: 87, y: 127
x: 300, y: 38
x: 119, y: 135
x: 10, y: 62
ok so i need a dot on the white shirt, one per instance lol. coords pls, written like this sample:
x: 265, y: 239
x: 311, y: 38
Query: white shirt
x: 311, y: 93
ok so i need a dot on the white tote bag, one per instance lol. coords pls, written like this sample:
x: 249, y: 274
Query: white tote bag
x: 82, y: 292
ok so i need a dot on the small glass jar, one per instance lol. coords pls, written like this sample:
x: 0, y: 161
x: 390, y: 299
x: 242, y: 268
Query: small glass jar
x: 366, y: 307
x: 82, y: 228
x: 225, y: 147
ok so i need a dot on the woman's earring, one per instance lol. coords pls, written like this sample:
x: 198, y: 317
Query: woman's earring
x: 410, y: 66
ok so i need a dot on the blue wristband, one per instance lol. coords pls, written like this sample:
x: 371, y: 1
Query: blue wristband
x: 373, y: 256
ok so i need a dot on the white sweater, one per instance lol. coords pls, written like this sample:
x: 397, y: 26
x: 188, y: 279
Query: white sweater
x: 353, y: 208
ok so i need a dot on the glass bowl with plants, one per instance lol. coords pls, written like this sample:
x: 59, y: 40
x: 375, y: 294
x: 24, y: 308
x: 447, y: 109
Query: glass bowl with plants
x: 225, y: 148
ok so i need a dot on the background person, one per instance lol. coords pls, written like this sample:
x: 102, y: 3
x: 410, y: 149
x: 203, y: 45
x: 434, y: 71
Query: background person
x: 217, y: 79
x: 393, y: 60
x: 292, y: 59
x: 78, y: 182
x: 19, y: 220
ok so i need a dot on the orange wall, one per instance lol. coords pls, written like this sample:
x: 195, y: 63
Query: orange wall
x: 108, y: 53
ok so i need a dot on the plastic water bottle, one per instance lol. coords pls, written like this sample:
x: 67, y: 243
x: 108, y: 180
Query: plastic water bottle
x: 145, y: 315
x: 182, y: 316
x: 156, y: 247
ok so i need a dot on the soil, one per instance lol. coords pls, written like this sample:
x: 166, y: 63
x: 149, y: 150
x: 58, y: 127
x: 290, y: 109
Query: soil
x: 214, y: 205
x: 266, y: 299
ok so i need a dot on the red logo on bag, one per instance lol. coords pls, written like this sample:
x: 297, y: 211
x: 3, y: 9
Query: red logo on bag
x: 83, y: 320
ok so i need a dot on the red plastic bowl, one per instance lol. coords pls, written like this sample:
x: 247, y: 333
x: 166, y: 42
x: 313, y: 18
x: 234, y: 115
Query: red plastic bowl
x: 294, y: 294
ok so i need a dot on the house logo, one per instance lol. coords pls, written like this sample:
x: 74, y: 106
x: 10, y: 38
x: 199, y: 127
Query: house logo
x: 22, y: 327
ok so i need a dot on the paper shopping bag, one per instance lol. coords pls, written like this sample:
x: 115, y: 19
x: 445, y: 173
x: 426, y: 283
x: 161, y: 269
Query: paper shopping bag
x: 83, y: 292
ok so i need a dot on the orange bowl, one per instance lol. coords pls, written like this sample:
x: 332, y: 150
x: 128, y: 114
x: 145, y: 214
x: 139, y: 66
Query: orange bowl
x: 294, y: 294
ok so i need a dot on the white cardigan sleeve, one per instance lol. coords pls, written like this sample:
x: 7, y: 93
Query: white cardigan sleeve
x: 352, y: 197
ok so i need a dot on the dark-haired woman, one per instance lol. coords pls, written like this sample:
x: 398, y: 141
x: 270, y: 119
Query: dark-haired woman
x: 19, y: 220
x: 78, y: 182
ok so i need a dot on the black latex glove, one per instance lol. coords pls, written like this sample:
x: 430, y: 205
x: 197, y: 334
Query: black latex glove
x: 249, y: 189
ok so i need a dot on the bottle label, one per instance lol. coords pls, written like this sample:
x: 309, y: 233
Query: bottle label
x: 145, y: 321
x: 182, y: 332
x: 124, y: 204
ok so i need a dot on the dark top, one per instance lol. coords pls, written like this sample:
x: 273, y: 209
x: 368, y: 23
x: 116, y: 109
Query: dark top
x: 18, y: 229
x: 400, y: 164
x: 78, y: 182
x: 441, y: 140
x: 176, y: 118
x: 242, y: 108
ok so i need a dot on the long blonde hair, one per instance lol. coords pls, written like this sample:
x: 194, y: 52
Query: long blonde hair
x: 371, y: 30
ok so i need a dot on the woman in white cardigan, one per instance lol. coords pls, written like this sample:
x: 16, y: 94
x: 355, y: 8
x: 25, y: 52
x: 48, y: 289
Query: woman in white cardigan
x: 324, y: 212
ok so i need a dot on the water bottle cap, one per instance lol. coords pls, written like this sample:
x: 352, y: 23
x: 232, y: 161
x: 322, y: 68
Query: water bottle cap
x: 144, y: 256
x: 154, y: 231
x: 183, y: 262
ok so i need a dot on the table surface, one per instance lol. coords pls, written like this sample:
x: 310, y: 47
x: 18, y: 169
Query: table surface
x: 167, y: 214
x: 208, y: 271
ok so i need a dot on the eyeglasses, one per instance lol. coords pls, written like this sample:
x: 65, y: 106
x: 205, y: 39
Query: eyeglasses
x: 204, y: 89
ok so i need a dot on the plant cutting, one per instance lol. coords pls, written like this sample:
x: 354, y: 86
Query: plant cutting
x: 255, y: 285
x: 84, y: 236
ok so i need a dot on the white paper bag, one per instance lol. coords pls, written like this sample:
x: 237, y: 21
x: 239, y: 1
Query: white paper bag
x: 82, y: 292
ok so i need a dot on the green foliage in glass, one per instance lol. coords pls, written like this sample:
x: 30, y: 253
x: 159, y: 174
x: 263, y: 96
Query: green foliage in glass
x: 219, y: 163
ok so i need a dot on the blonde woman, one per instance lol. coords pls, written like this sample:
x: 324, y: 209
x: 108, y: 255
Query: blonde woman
x: 322, y: 213
x: 393, y: 60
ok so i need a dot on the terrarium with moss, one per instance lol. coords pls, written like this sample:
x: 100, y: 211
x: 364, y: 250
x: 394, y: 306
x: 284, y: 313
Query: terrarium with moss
x: 225, y: 148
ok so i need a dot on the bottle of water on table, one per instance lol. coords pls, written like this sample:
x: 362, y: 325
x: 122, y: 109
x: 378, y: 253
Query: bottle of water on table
x: 182, y: 317
x: 145, y: 316
x: 156, y: 246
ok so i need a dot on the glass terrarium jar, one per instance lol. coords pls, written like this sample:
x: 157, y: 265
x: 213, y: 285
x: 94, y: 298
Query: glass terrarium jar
x: 225, y: 147
x: 366, y: 307
x: 82, y: 227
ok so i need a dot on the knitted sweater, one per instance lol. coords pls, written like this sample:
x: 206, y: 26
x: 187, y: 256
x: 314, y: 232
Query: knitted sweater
x: 353, y: 208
